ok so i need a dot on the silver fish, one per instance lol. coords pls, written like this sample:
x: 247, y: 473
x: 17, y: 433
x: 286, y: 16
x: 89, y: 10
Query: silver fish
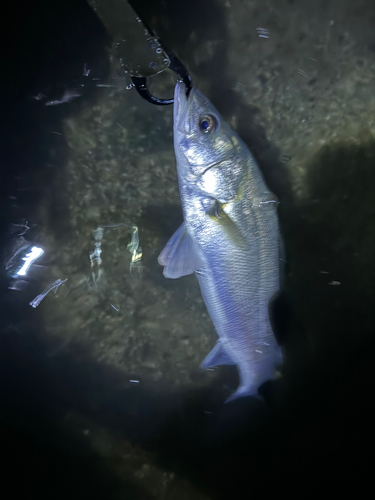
x: 229, y: 239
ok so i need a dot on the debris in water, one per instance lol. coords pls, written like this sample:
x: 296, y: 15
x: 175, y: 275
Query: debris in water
x: 68, y: 96
x: 96, y: 259
x: 135, y: 250
x: 53, y: 286
x: 263, y: 33
x: 86, y: 70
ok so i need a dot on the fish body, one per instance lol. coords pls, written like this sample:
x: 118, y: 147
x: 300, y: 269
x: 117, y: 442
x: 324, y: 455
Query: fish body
x: 229, y: 239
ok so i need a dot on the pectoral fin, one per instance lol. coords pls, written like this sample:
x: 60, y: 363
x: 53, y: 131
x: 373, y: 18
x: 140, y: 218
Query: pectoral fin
x: 218, y: 215
x: 179, y: 257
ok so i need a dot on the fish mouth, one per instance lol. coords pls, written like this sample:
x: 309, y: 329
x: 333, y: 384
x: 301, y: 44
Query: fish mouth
x: 182, y: 102
x: 180, y: 99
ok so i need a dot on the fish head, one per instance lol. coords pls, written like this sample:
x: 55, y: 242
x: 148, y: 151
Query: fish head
x: 202, y: 139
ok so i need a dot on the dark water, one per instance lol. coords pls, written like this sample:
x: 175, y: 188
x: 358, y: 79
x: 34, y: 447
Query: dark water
x: 101, y: 391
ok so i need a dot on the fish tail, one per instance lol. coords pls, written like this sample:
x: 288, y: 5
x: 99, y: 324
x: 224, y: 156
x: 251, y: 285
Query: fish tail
x: 250, y: 381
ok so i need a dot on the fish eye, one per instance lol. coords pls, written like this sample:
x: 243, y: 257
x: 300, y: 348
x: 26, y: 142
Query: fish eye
x: 208, y: 124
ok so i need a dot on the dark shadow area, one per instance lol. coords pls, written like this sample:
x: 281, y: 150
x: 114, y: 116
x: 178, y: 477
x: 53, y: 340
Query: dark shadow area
x: 40, y: 383
x: 56, y: 466
x: 44, y: 47
x: 44, y: 50
x: 330, y: 247
x: 317, y: 417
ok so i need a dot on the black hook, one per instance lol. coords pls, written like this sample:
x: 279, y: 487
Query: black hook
x: 140, y: 83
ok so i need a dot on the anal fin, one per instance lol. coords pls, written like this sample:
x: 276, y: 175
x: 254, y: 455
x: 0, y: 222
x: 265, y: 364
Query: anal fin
x: 216, y: 357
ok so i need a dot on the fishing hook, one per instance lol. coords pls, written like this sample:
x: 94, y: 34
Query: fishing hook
x: 140, y: 83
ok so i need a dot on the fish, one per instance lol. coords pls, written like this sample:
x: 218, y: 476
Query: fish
x: 229, y: 239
